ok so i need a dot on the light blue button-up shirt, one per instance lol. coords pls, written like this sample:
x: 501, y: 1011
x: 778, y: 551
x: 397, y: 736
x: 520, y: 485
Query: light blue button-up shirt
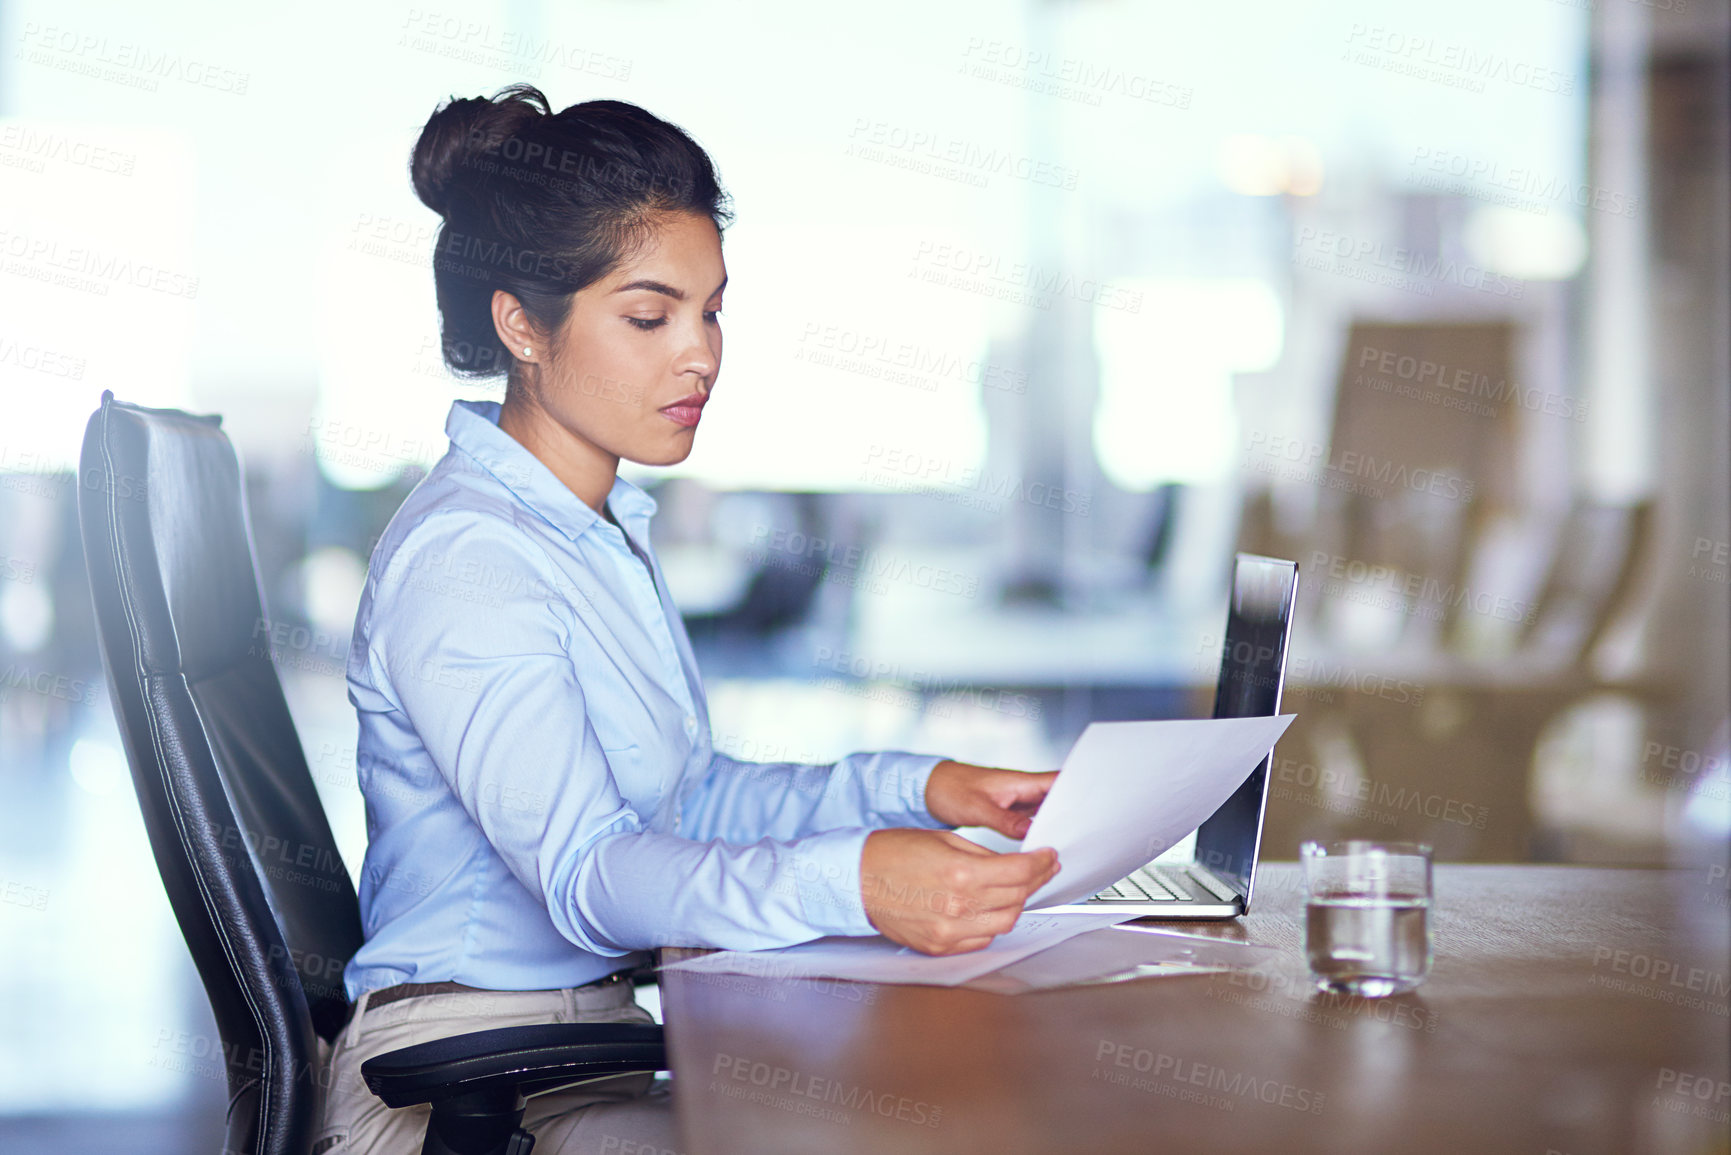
x: 542, y: 795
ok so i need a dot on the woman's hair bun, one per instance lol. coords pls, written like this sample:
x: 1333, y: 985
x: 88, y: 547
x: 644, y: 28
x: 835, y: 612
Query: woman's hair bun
x: 460, y: 132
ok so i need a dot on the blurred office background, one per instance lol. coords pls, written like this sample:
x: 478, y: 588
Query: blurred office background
x: 1037, y: 313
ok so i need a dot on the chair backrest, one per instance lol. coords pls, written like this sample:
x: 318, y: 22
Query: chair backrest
x: 239, y: 836
x: 1598, y: 554
x: 1431, y: 396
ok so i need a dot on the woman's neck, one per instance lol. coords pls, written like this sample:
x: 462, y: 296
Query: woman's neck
x: 586, y: 469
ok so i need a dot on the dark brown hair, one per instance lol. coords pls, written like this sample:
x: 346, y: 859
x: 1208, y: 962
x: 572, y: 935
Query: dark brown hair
x: 541, y: 204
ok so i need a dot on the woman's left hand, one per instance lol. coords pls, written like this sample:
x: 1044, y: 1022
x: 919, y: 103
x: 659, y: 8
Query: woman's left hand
x: 962, y: 794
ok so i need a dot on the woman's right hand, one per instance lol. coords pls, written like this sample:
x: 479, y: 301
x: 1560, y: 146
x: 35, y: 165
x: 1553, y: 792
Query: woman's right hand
x: 938, y: 893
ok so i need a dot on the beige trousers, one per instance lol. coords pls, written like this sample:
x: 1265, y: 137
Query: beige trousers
x: 622, y: 1115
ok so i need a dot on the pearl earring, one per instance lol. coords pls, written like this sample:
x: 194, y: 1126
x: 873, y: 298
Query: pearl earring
x: 526, y: 350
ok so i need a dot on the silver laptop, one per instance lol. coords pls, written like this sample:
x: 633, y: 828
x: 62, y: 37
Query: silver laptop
x: 1217, y: 881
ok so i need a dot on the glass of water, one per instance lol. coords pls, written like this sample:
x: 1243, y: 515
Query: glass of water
x: 1367, y: 916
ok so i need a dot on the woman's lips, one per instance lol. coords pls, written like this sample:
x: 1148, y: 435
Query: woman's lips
x: 686, y: 410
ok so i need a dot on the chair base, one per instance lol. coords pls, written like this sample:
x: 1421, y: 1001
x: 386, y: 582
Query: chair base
x: 481, y: 1123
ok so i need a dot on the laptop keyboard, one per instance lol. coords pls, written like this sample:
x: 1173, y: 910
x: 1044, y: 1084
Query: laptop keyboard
x: 1143, y: 886
x: 1156, y: 884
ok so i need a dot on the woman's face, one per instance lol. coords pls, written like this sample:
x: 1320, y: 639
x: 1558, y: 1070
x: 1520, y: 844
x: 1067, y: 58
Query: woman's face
x: 639, y: 353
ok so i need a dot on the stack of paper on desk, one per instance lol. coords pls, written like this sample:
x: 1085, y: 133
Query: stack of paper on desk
x: 1120, y: 953
x: 1042, y: 951
x: 1127, y: 792
x: 878, y: 960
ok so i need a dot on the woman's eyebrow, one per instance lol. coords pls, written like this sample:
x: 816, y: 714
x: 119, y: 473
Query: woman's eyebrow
x: 663, y: 288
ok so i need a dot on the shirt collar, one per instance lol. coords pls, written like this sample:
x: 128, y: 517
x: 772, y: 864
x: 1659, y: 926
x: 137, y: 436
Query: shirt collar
x: 473, y: 427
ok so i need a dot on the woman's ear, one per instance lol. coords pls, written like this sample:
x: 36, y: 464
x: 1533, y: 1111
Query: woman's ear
x: 511, y: 323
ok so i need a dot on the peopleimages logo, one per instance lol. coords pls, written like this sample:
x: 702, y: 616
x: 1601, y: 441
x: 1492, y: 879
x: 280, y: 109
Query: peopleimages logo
x: 478, y: 256
x: 1393, y: 588
x: 900, y: 362
x: 1455, y: 65
x: 1516, y: 186
x: 1067, y: 77
x: 36, y: 359
x: 458, y: 37
x: 19, y: 894
x: 924, y: 682
x: 953, y: 157
x: 1673, y: 767
x: 1330, y: 789
x: 737, y: 1076
x: 1365, y: 259
x: 1350, y: 470
x: 770, y: 545
x: 905, y: 469
x: 1420, y: 376
x: 89, y: 268
x: 978, y: 268
x: 47, y: 684
x: 34, y: 146
x: 124, y: 62
x: 1114, y: 1062
x: 1661, y: 980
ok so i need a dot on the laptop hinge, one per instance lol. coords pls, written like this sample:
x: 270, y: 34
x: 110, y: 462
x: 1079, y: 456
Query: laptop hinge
x: 1212, y: 883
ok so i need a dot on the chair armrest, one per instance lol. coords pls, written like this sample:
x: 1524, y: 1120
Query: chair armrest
x: 519, y: 1059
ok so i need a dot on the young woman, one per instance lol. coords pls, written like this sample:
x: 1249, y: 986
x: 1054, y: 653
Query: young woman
x: 543, y: 799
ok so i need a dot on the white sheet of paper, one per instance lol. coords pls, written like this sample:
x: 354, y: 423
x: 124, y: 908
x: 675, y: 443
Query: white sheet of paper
x: 1119, y: 953
x: 1130, y: 790
x: 877, y: 959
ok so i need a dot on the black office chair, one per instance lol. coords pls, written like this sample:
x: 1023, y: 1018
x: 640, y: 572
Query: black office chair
x: 235, y: 824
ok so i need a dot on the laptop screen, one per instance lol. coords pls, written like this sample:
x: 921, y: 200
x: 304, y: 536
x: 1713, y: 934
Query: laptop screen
x: 1252, y: 669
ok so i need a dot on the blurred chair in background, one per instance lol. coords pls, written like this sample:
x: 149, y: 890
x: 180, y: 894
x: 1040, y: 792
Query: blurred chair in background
x: 1445, y: 624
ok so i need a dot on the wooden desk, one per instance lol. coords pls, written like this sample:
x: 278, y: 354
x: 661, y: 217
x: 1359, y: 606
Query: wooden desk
x: 1570, y: 1009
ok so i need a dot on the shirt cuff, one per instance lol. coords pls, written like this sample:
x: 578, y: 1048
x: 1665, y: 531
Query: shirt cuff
x: 824, y: 872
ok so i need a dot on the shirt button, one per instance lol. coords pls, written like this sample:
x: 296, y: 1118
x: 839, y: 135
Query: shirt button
x: 691, y: 725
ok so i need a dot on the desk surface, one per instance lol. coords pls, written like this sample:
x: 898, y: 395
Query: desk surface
x: 1570, y: 1010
